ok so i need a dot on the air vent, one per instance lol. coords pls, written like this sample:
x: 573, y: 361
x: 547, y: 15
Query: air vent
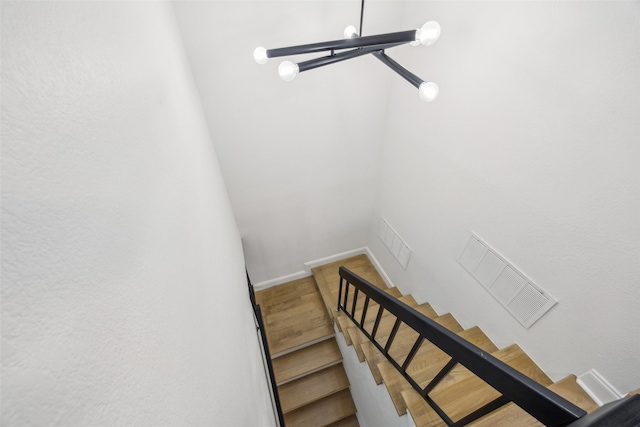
x: 517, y: 293
x: 394, y: 243
x: 508, y: 283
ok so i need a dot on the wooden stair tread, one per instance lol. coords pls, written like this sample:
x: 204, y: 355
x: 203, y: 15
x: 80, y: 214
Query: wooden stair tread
x: 513, y: 356
x: 394, y: 292
x: 461, y: 382
x: 322, y: 412
x: 356, y: 337
x: 404, y: 333
x: 461, y: 392
x: 297, y: 315
x: 569, y: 388
x: 298, y: 307
x: 312, y: 387
x: 402, y: 343
x: 387, y: 319
x: 298, y: 339
x: 351, y: 421
x: 372, y: 310
x: 406, y: 337
x: 328, y: 278
x: 278, y: 298
x: 373, y: 306
x: 512, y: 414
x: 430, y: 359
x: 427, y: 362
x: 306, y: 360
x: 421, y: 412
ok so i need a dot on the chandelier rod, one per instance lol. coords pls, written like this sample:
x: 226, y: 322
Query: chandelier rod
x: 400, y: 37
x: 361, y: 16
x: 343, y: 56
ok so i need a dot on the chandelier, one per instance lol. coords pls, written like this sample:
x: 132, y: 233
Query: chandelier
x: 354, y: 45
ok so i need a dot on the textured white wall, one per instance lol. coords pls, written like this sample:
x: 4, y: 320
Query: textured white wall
x: 533, y: 145
x: 299, y: 159
x: 375, y: 407
x: 124, y: 300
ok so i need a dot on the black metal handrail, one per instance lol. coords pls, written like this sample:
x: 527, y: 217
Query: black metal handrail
x: 267, y: 354
x: 540, y: 402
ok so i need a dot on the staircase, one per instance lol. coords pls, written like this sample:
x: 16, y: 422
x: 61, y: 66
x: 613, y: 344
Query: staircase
x: 313, y: 385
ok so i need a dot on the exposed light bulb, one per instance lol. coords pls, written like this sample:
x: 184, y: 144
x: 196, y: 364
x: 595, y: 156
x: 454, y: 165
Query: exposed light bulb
x: 288, y: 71
x: 260, y: 55
x: 428, y: 34
x: 350, y: 32
x: 428, y: 91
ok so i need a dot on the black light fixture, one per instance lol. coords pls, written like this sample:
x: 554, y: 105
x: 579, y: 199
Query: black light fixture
x: 356, y: 46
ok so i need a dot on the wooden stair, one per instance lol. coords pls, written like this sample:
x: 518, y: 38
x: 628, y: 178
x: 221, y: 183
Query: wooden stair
x: 460, y: 392
x: 312, y: 383
x: 306, y: 360
x: 323, y: 412
x: 511, y: 414
x: 427, y: 362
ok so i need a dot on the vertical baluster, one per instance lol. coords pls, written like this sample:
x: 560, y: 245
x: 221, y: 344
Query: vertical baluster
x: 364, y: 310
x: 413, y: 352
x: 346, y: 295
x: 339, y: 294
x: 355, y: 301
x: 443, y: 372
x: 377, y: 323
x: 393, y: 335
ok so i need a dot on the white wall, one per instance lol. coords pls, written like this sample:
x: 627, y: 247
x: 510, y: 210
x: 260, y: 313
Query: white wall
x: 299, y: 158
x: 533, y: 145
x: 374, y: 404
x: 124, y: 299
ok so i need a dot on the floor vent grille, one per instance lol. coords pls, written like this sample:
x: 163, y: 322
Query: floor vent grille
x: 517, y: 293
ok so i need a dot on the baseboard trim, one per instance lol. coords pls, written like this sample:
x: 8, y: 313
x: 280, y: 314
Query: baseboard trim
x: 322, y: 261
x: 378, y: 267
x: 598, y: 388
x: 280, y: 280
x: 333, y: 258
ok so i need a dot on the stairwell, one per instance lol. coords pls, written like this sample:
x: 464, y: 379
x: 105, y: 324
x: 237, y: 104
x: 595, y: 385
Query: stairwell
x: 312, y: 383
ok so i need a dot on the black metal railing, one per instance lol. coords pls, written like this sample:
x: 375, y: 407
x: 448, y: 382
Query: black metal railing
x: 266, y: 355
x: 540, y: 402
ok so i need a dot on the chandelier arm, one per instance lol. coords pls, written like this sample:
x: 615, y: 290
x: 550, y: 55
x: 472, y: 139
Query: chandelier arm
x: 400, y: 37
x: 403, y: 72
x: 361, y: 15
x: 342, y: 56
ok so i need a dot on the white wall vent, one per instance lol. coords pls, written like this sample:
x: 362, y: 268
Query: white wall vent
x: 516, y: 292
x: 394, y: 243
